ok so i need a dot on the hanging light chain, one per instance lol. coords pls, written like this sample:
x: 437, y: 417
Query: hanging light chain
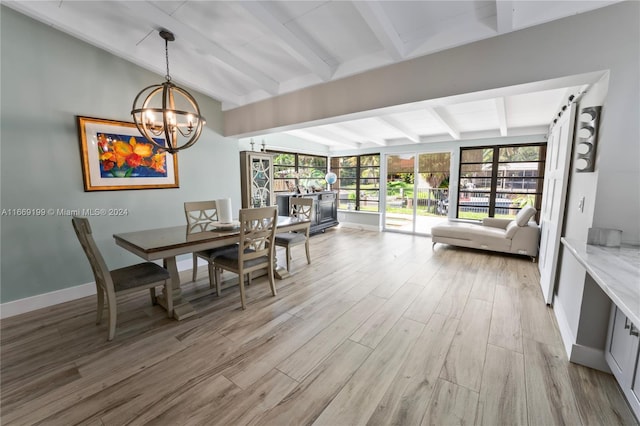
x: 166, y: 53
x: 167, y: 36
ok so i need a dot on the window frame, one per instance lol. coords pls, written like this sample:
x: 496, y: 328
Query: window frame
x: 495, y: 176
x: 297, y: 169
x: 359, y: 181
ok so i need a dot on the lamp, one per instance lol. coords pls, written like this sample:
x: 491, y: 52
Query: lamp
x: 167, y: 110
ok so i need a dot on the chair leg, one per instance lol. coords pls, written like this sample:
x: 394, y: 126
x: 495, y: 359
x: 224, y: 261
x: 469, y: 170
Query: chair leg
x: 288, y: 259
x: 272, y: 281
x: 100, y: 294
x: 242, y: 295
x: 306, y: 247
x: 212, y: 275
x: 169, y: 297
x: 113, y: 314
x: 218, y: 275
x: 154, y: 298
x: 195, y: 267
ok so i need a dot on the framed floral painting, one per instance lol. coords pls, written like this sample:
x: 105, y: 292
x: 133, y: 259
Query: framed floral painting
x: 115, y: 156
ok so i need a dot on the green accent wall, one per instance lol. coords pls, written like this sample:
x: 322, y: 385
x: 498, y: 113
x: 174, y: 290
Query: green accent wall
x: 47, y: 79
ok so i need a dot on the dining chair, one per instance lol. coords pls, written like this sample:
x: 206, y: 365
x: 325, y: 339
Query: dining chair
x: 301, y: 208
x: 121, y: 281
x: 256, y: 248
x: 198, y: 212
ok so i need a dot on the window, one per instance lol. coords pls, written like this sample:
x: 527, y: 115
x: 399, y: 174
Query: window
x: 497, y: 181
x: 312, y: 170
x: 284, y: 172
x: 291, y: 169
x: 358, y: 182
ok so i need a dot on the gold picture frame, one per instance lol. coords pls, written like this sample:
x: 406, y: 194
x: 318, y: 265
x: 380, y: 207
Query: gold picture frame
x: 115, y: 156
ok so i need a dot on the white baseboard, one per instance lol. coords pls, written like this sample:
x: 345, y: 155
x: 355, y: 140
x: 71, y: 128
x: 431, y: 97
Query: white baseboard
x: 578, y: 354
x: 359, y: 226
x: 590, y: 357
x: 28, y: 304
x: 568, y: 339
x: 45, y: 300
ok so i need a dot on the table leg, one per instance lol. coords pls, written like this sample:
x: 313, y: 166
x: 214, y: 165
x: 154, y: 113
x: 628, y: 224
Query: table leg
x: 279, y: 273
x: 181, y: 308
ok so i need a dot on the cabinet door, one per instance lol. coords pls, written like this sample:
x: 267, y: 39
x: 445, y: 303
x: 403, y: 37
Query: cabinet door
x: 261, y: 181
x: 619, y: 343
x: 635, y: 389
x: 327, y: 208
x: 622, y: 356
x: 282, y: 201
x: 256, y: 171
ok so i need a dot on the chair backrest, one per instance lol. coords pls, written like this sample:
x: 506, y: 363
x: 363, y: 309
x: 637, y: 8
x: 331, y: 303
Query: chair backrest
x: 300, y: 207
x: 98, y: 265
x: 257, y: 232
x: 200, y: 211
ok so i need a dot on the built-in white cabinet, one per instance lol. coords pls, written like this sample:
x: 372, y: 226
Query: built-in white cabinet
x: 622, y: 355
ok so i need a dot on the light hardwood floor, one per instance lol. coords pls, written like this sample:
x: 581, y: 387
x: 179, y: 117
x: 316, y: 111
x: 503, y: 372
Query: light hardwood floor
x: 378, y: 330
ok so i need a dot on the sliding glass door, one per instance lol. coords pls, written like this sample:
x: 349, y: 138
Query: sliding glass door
x: 417, y: 191
x: 398, y: 207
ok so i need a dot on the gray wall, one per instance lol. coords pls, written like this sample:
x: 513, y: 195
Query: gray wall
x: 47, y: 79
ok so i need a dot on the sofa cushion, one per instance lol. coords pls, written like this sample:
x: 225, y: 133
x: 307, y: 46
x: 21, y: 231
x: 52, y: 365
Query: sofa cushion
x: 524, y: 215
x: 511, y: 230
x: 466, y: 231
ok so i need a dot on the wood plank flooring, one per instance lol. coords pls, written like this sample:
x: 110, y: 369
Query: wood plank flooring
x: 380, y: 329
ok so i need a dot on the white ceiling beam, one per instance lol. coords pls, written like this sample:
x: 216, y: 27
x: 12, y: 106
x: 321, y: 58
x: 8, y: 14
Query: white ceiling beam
x: 55, y: 15
x: 302, y: 52
x: 345, y: 132
x: 445, y: 122
x: 396, y: 125
x: 318, y: 136
x: 501, y: 109
x: 154, y: 16
x: 504, y: 16
x: 379, y: 22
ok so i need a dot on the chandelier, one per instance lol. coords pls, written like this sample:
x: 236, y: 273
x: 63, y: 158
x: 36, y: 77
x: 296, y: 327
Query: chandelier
x: 167, y: 111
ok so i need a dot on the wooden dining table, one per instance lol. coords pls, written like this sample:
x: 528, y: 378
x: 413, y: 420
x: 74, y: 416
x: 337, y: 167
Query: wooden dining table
x: 167, y: 243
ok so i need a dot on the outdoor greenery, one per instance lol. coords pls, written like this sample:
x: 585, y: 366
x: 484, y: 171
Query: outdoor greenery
x: 431, y: 183
x: 292, y: 169
x: 358, y: 181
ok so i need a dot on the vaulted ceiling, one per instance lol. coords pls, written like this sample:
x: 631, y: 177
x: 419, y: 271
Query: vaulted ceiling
x: 240, y: 52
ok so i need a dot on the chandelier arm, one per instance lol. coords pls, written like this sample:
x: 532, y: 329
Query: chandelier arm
x: 193, y: 103
x: 194, y: 139
x: 145, y: 127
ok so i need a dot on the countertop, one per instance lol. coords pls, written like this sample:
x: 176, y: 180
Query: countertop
x: 616, y: 270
